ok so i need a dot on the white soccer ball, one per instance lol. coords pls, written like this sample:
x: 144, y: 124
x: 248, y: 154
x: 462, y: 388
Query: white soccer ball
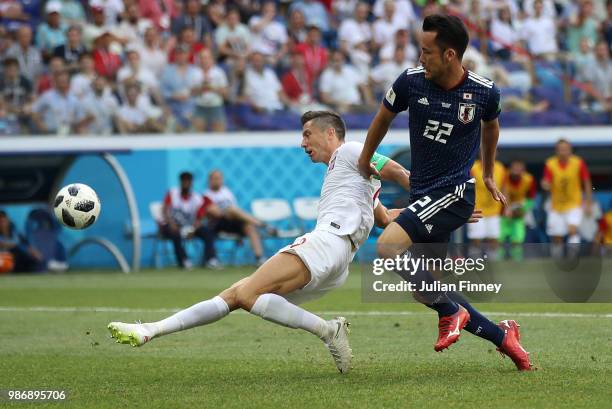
x: 77, y: 206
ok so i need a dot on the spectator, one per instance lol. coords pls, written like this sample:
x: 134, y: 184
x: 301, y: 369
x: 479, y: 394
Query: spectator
x: 100, y: 108
x: 360, y: 57
x: 345, y: 9
x: 355, y: 30
x: 385, y: 73
x: 488, y: 230
x: 132, y: 25
x: 401, y: 39
x: 135, y: 115
x: 133, y: 70
x: 504, y: 35
x: 57, y: 110
x: 73, y: 49
x: 160, y: 12
x: 236, y: 76
x: 404, y: 12
x: 210, y: 95
x: 567, y: 179
x: 604, y: 236
x: 269, y: 36
x: 314, y: 12
x: 314, y: 54
x: 598, y: 77
x: 183, y: 212
x: 111, y: 10
x: 539, y: 32
x: 72, y: 11
x: 80, y: 84
x: 385, y: 27
x: 152, y: 55
x: 342, y: 87
x: 188, y: 40
x: 96, y: 26
x: 584, y: 57
x: 45, y: 81
x: 51, y: 34
x: 29, y: 57
x: 193, y: 17
x: 177, y: 84
x: 8, y: 122
x: 16, y: 93
x: 521, y: 190
x: 548, y: 8
x: 215, y: 12
x: 106, y: 61
x: 582, y: 25
x: 225, y: 216
x: 296, y: 28
x: 26, y: 257
x: 233, y: 38
x: 263, y: 91
x: 606, y: 25
x: 297, y: 84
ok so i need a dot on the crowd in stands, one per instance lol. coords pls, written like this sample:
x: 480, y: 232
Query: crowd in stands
x: 129, y: 66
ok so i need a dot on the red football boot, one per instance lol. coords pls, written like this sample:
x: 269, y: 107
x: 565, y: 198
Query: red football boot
x: 511, y: 345
x: 449, y: 328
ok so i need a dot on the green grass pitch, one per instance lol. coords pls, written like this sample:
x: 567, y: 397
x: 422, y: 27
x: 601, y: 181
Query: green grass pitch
x: 243, y: 361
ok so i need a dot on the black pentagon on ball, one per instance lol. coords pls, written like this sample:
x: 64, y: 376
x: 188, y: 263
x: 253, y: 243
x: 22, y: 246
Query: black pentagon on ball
x: 91, y: 221
x: 58, y: 200
x: 73, y: 190
x: 84, y: 206
x: 67, y: 218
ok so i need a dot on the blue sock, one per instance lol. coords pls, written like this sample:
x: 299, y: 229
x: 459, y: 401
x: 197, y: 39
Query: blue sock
x: 436, y: 300
x: 478, y: 324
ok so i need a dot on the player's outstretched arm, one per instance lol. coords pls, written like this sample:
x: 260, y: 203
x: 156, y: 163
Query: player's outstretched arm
x: 395, y: 172
x: 488, y: 146
x: 377, y: 131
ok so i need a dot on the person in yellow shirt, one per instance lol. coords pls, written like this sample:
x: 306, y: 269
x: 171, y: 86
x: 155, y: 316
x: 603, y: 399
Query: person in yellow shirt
x: 487, y: 230
x: 568, y: 181
x: 521, y: 191
x: 604, y: 236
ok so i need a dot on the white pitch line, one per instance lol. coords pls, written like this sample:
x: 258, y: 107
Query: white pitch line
x: 348, y: 313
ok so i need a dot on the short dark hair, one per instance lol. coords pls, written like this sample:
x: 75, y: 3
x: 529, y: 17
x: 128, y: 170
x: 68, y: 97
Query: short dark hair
x: 450, y: 32
x: 186, y: 176
x: 326, y: 119
x: 11, y: 61
x: 562, y: 140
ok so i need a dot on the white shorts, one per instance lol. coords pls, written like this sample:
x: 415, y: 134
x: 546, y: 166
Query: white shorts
x: 327, y: 257
x: 486, y: 228
x: 557, y: 223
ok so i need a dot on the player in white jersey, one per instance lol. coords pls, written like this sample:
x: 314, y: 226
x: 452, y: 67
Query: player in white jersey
x: 315, y: 263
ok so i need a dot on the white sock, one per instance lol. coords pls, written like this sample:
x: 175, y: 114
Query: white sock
x: 205, y: 312
x: 573, y: 239
x: 274, y: 308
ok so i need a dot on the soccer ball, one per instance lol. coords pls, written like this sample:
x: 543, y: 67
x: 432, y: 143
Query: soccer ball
x: 76, y: 206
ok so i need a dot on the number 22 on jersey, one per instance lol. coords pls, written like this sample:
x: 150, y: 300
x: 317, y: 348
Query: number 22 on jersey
x: 437, y: 131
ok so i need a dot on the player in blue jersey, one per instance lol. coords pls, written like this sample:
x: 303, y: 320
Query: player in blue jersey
x: 453, y: 113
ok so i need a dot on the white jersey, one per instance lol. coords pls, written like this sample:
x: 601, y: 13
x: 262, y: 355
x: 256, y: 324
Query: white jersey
x: 346, y: 206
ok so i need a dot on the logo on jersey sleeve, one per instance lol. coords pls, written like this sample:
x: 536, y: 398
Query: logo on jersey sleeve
x: 390, y: 97
x: 466, y: 112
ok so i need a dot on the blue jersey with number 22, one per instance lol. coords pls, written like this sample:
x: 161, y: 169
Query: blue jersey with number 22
x: 444, y: 125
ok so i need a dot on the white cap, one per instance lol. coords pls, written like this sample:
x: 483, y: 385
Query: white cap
x: 53, y: 7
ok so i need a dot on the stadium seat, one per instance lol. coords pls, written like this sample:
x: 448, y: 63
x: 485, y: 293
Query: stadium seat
x: 306, y: 210
x: 276, y: 212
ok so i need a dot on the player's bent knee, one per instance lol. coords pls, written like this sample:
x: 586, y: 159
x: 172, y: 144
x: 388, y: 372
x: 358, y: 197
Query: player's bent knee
x: 245, y: 297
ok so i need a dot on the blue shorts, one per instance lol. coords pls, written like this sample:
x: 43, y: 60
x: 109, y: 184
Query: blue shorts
x: 432, y: 217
